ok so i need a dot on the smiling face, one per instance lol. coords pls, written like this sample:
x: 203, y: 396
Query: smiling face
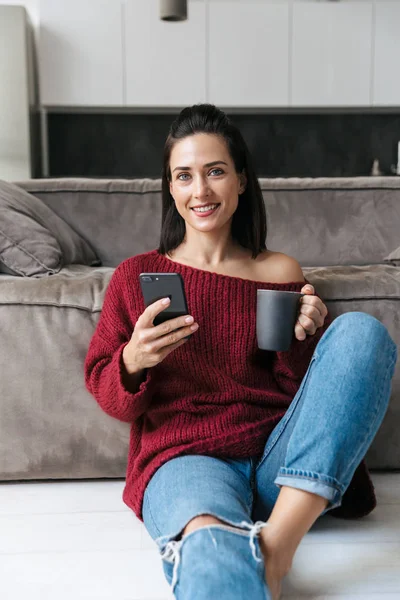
x: 203, y: 175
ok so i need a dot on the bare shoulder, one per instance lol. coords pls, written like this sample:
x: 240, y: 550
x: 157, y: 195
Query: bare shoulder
x: 276, y: 267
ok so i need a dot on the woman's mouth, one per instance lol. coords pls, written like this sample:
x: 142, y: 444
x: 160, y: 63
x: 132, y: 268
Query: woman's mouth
x: 205, y: 211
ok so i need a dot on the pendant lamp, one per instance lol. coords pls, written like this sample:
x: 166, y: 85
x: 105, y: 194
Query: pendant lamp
x: 173, y: 10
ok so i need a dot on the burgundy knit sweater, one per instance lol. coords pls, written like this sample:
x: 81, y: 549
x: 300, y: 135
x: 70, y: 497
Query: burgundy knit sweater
x: 218, y: 394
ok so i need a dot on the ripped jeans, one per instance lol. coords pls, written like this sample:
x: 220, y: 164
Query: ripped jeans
x: 316, y: 447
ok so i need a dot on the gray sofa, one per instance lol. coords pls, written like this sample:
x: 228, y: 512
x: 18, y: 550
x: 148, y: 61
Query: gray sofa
x: 340, y: 231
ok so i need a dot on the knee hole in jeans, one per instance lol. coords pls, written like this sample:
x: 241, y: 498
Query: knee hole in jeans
x: 199, y: 522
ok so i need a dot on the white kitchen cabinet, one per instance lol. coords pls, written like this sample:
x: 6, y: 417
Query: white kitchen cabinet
x: 248, y: 58
x: 81, y: 53
x: 19, y: 145
x: 331, y: 54
x: 165, y: 61
x: 386, y: 80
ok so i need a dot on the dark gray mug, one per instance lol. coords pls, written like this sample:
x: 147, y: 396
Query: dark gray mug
x: 277, y: 312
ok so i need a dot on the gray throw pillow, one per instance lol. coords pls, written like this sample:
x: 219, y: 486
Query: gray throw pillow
x: 34, y: 241
x: 393, y: 258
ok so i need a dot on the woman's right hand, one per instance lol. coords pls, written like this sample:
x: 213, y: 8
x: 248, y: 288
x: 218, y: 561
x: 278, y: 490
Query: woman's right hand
x: 150, y: 344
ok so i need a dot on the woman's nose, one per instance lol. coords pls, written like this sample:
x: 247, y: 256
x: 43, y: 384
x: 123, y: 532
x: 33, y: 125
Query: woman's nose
x: 201, y: 187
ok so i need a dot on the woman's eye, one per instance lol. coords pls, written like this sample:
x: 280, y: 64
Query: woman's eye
x: 181, y: 175
x: 217, y: 171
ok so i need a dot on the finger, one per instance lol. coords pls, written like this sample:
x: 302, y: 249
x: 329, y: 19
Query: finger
x: 149, y: 314
x: 156, y: 354
x: 315, y: 309
x: 313, y: 313
x: 308, y: 324
x: 299, y: 331
x: 313, y: 300
x: 168, y: 349
x: 171, y: 338
x: 307, y: 289
x: 173, y: 324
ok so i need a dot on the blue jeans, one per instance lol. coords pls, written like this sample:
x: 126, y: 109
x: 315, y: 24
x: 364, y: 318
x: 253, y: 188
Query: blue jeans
x: 316, y: 447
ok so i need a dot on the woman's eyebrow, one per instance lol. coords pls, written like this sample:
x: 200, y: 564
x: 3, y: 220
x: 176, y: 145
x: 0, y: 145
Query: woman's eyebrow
x: 211, y: 164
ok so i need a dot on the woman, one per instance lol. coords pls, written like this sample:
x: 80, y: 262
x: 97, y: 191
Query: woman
x: 234, y: 451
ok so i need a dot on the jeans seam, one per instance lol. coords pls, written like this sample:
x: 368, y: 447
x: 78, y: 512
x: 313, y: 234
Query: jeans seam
x: 333, y: 486
x: 146, y: 500
x: 302, y: 386
x: 389, y: 367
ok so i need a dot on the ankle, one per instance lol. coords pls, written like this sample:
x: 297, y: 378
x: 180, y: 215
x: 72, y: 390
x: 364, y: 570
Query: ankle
x: 277, y: 551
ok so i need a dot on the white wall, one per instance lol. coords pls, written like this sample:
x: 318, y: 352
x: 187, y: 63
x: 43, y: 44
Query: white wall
x: 32, y: 7
x: 15, y: 132
x: 322, y: 77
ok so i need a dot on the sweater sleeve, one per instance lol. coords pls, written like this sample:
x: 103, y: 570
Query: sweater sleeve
x: 105, y: 376
x: 292, y: 364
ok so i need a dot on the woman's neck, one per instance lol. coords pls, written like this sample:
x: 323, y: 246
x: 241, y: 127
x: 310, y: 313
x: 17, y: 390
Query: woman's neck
x: 211, y: 259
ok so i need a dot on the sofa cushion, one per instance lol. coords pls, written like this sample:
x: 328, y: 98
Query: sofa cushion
x: 393, y: 258
x: 75, y: 286
x: 120, y: 217
x: 26, y: 247
x: 321, y: 221
x: 52, y: 428
x: 34, y: 241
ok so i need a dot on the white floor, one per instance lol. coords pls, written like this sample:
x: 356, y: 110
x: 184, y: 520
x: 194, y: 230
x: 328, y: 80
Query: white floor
x: 78, y: 541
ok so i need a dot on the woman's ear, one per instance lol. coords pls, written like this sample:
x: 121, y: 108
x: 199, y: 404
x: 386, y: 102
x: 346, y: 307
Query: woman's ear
x: 242, y: 182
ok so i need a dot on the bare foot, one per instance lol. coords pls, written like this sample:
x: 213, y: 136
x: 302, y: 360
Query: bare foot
x: 278, y: 562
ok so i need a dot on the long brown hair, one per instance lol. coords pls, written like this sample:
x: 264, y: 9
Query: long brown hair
x: 249, y: 222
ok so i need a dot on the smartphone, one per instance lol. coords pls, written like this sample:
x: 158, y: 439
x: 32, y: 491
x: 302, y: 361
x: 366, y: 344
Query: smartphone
x: 164, y: 285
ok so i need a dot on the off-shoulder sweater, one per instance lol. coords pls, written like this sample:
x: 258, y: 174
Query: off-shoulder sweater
x: 218, y: 394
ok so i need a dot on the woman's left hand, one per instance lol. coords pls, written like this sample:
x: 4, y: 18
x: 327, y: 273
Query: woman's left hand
x: 311, y: 315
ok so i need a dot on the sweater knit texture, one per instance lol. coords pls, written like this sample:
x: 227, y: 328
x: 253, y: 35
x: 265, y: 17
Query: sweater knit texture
x: 218, y: 394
